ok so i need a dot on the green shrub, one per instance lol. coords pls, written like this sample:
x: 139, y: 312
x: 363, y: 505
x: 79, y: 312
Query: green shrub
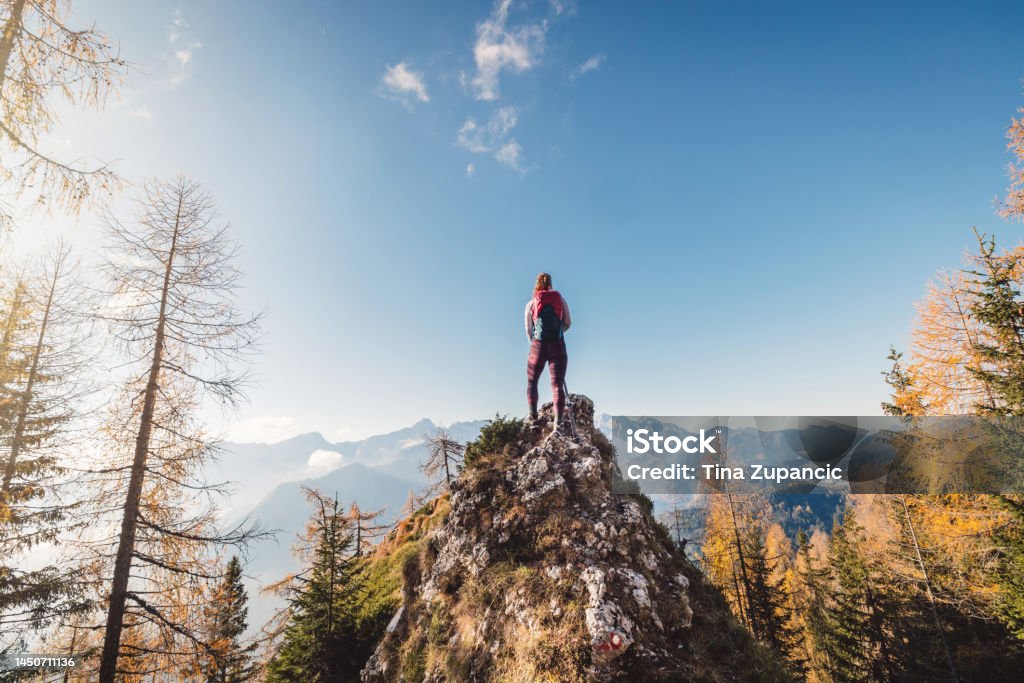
x: 496, y: 436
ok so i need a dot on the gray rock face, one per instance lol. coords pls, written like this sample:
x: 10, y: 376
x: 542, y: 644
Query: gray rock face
x: 541, y: 572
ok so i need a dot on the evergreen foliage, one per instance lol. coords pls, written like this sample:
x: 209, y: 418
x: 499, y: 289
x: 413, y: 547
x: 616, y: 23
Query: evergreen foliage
x: 322, y: 642
x: 767, y: 606
x: 495, y: 437
x: 999, y: 307
x: 230, y: 661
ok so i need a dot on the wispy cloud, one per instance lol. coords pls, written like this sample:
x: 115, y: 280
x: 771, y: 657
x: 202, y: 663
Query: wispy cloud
x: 592, y: 64
x: 470, y: 169
x: 563, y: 6
x: 142, y: 113
x: 493, y: 138
x: 510, y: 154
x: 499, y: 47
x: 183, y: 47
x: 402, y: 84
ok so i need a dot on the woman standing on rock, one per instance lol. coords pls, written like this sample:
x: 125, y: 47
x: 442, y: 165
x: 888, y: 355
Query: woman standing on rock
x: 547, y: 320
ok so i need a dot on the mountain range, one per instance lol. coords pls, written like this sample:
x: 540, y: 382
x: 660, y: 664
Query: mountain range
x: 267, y: 481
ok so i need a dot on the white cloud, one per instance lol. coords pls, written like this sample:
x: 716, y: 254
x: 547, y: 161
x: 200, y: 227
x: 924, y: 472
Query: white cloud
x: 493, y: 138
x: 499, y: 47
x: 182, y: 46
x: 264, y: 429
x: 322, y: 461
x: 142, y: 113
x: 563, y: 6
x: 510, y: 154
x: 470, y: 170
x: 592, y: 64
x: 403, y: 85
x: 471, y: 137
x: 178, y: 25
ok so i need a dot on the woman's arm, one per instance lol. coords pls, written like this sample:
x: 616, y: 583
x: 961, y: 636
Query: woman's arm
x: 529, y: 319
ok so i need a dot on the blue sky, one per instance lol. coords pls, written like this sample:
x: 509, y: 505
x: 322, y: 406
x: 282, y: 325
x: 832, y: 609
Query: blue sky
x: 740, y: 201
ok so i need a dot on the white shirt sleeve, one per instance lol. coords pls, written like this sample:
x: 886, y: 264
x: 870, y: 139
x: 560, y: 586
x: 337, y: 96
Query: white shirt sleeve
x: 529, y: 319
x: 566, y: 318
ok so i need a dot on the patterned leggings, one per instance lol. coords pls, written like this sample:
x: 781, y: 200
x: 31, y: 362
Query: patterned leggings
x: 541, y: 353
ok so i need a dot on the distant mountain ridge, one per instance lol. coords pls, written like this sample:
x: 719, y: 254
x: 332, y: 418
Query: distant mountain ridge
x: 267, y: 480
x: 255, y: 469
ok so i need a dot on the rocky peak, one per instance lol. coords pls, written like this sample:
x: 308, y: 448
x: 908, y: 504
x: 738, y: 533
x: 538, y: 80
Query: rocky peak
x: 540, y: 572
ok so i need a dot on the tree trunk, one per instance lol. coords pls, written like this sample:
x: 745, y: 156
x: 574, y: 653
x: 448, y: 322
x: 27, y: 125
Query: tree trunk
x: 12, y: 322
x: 7, y: 37
x: 26, y: 398
x: 742, y: 561
x: 359, y: 529
x: 126, y: 542
x: 928, y: 592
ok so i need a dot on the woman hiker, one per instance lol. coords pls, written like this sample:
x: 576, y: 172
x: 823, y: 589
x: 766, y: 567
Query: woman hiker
x: 547, y: 319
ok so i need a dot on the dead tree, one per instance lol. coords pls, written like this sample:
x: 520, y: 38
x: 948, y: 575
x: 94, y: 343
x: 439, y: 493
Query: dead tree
x: 364, y: 530
x: 444, y: 456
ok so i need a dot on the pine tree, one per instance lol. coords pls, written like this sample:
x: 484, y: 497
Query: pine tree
x: 229, y: 660
x: 907, y: 398
x: 767, y: 600
x: 1010, y: 604
x: 999, y: 306
x: 321, y: 641
x: 860, y: 644
x: 809, y: 602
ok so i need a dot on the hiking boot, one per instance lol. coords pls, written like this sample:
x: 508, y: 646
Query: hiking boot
x: 532, y: 417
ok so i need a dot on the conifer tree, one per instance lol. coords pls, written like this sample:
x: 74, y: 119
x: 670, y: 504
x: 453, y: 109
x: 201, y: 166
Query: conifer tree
x: 809, y: 601
x: 444, y: 458
x: 320, y: 641
x: 860, y: 644
x: 173, y: 310
x: 767, y: 600
x: 364, y: 530
x: 911, y: 542
x: 720, y: 555
x: 1010, y: 605
x: 42, y: 56
x: 229, y: 659
x: 907, y: 399
x: 676, y: 518
x: 998, y: 306
x: 42, y: 387
x: 410, y: 505
x: 1013, y: 205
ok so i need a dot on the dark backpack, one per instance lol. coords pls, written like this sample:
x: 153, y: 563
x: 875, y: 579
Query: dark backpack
x: 547, y: 316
